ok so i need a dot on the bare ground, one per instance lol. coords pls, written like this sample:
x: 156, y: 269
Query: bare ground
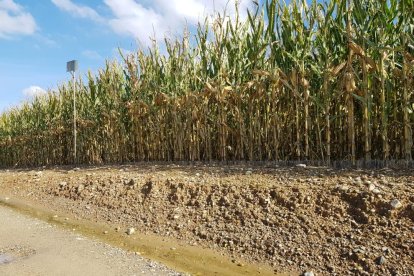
x: 31, y: 247
x: 292, y: 219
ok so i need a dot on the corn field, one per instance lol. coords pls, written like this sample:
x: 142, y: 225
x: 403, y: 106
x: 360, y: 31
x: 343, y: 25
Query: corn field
x: 328, y: 81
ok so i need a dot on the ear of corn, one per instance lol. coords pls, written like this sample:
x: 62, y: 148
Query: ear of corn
x: 324, y: 81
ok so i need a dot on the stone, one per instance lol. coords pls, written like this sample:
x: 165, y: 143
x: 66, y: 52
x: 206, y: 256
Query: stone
x: 376, y: 191
x: 63, y: 184
x: 130, y: 231
x: 301, y: 165
x: 360, y: 250
x: 395, y: 204
x: 249, y: 172
x: 371, y: 187
x: 309, y: 273
x: 344, y: 188
x: 380, y: 260
x: 80, y: 188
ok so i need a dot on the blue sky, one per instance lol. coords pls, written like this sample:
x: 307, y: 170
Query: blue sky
x: 37, y: 38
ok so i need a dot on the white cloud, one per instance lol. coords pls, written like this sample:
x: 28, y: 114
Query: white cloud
x: 147, y: 20
x: 34, y: 91
x: 78, y: 10
x: 9, y: 5
x: 15, y: 20
x: 131, y: 18
x: 187, y: 9
x: 195, y: 10
x: 165, y: 16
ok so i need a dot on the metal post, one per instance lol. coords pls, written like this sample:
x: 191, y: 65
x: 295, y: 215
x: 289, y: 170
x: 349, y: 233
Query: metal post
x: 74, y: 117
x: 71, y: 67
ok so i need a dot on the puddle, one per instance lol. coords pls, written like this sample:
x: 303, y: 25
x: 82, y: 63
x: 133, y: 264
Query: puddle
x: 5, y: 259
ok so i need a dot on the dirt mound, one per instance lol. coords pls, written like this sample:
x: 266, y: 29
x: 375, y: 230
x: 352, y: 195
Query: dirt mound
x: 299, y: 218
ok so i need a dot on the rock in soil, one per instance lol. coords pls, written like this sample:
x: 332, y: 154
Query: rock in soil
x: 380, y: 260
x: 395, y: 204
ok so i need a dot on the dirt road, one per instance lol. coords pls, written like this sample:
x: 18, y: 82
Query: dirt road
x: 32, y: 247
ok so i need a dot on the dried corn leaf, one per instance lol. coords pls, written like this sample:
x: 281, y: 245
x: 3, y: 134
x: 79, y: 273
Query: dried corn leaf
x: 335, y: 70
x: 356, y: 48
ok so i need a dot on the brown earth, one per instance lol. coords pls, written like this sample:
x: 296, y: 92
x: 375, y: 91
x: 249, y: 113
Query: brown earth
x: 293, y: 219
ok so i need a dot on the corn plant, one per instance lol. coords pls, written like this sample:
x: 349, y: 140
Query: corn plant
x: 317, y: 81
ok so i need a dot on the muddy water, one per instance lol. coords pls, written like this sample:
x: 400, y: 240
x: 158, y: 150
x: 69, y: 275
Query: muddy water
x: 181, y: 257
